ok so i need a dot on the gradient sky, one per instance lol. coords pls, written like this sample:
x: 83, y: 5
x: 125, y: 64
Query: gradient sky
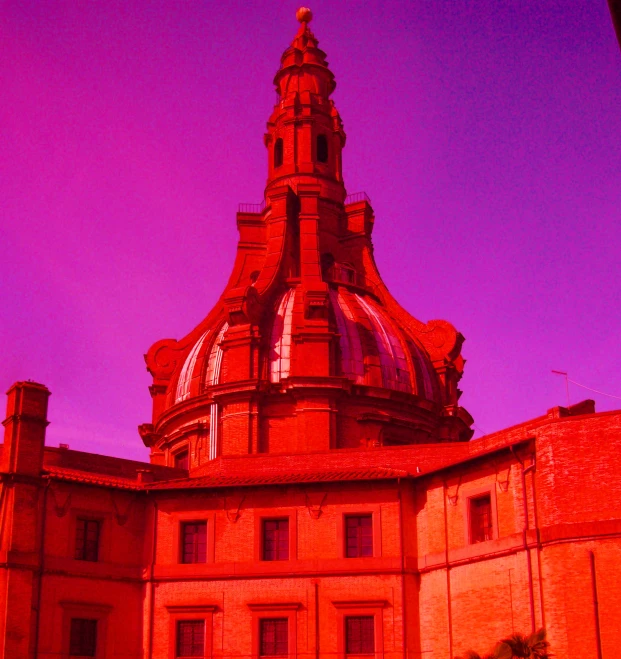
x: 487, y: 134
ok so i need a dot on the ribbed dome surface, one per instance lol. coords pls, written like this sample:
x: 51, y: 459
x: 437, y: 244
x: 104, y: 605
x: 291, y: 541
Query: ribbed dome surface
x: 204, y: 358
x: 369, y: 336
x: 372, y: 349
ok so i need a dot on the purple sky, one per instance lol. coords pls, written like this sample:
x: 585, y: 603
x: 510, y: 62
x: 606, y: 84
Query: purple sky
x: 487, y: 135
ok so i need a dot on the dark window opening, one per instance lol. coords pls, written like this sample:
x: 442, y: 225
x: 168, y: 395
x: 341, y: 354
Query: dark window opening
x: 278, y: 152
x: 359, y: 536
x: 347, y: 273
x: 327, y: 264
x: 481, y: 528
x: 322, y: 148
x: 402, y: 438
x: 359, y: 635
x: 194, y: 542
x: 274, y: 637
x: 87, y: 540
x: 182, y: 460
x: 276, y: 540
x: 293, y: 236
x: 83, y: 638
x: 190, y: 638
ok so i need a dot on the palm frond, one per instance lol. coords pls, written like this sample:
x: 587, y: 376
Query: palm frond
x: 538, y: 644
x: 516, y: 646
x: 502, y: 651
x: 471, y: 654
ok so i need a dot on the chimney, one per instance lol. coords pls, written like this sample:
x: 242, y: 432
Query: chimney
x: 24, y: 429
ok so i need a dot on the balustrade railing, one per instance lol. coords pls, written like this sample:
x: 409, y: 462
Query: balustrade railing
x: 356, y: 197
x: 251, y: 208
x: 353, y: 198
x: 340, y: 273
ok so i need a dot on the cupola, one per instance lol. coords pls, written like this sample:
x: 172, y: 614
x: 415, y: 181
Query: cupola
x: 305, y: 134
x: 306, y: 350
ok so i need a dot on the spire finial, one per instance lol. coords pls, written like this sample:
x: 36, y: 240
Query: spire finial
x: 304, y: 15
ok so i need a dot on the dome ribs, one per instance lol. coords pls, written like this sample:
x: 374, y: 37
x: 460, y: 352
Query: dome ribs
x: 187, y: 371
x: 279, y: 355
x: 214, y: 363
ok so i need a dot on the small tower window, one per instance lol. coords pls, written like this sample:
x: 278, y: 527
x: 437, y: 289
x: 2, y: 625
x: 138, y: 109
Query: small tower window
x: 182, y: 460
x: 278, y: 152
x: 322, y: 148
x: 327, y: 264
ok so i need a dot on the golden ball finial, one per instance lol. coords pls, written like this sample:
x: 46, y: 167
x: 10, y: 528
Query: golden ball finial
x: 304, y: 15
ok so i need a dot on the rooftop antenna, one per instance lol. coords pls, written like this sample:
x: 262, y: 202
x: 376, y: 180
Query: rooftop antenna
x: 566, y: 382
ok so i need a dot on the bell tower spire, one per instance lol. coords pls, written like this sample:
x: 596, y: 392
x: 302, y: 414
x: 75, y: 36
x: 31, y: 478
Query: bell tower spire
x: 305, y: 134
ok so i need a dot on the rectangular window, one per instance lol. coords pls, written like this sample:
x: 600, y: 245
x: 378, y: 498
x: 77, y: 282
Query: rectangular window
x: 194, y: 542
x: 83, y: 638
x: 191, y: 638
x: 182, y: 460
x: 359, y: 536
x: 87, y: 540
x: 360, y: 635
x: 274, y: 637
x: 276, y: 539
x: 481, y: 519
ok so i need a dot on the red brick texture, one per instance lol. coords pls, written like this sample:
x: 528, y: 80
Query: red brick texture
x: 306, y: 414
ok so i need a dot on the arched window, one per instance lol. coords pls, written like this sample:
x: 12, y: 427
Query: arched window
x: 322, y: 148
x: 278, y: 153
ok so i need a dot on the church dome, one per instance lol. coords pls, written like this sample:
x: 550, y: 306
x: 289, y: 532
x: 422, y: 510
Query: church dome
x: 371, y: 349
x: 306, y: 349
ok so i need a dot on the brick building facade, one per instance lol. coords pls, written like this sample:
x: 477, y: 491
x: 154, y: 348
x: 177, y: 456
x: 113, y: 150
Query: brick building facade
x: 313, y: 489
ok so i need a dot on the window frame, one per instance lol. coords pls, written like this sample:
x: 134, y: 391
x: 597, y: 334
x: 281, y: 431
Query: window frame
x: 276, y: 513
x: 324, y: 138
x: 182, y: 534
x: 376, y: 522
x: 476, y: 493
x: 87, y: 519
x: 72, y: 610
x: 269, y: 611
x: 279, y: 150
x: 346, y: 639
x: 191, y: 613
x: 262, y: 622
x: 481, y: 508
x: 184, y: 621
x: 71, y: 639
x: 357, y: 609
x: 106, y: 523
x: 277, y: 520
x: 189, y: 516
x: 358, y: 516
x: 183, y: 451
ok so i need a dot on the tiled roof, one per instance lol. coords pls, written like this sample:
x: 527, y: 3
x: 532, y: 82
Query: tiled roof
x: 220, y: 480
x: 411, y: 462
x: 265, y: 469
x: 102, y: 470
x: 89, y: 478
